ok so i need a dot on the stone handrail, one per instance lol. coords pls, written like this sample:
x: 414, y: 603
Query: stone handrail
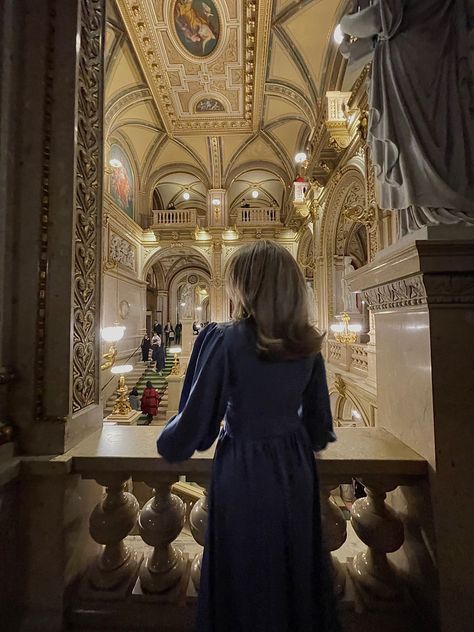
x: 258, y: 215
x: 116, y: 454
x: 175, y: 217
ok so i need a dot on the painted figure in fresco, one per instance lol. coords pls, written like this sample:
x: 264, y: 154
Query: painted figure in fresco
x: 121, y: 186
x: 421, y: 124
x: 197, y: 25
x: 209, y: 105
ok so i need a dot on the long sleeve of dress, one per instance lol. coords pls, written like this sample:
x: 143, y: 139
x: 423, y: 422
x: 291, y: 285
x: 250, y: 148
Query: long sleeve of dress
x: 203, y: 403
x: 317, y: 416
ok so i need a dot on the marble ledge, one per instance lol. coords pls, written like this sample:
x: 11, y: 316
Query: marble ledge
x: 358, y: 452
x: 428, y: 252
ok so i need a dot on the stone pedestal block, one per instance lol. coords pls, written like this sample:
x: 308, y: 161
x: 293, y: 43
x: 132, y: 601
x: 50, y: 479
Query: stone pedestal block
x: 421, y: 291
x: 175, y: 386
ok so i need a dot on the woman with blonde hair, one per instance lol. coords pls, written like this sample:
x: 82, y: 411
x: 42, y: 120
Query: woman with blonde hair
x: 264, y: 569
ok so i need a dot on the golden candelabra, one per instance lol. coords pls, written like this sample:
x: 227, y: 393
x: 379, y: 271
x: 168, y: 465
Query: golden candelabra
x: 176, y: 369
x: 122, y: 405
x: 344, y: 332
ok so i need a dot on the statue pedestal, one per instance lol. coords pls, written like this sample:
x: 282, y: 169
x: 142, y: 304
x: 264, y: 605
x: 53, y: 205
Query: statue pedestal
x: 128, y: 420
x: 175, y: 386
x: 421, y: 292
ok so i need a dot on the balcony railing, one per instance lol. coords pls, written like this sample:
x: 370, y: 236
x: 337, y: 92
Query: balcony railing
x: 257, y: 216
x: 353, y: 358
x: 177, y: 217
x: 157, y: 572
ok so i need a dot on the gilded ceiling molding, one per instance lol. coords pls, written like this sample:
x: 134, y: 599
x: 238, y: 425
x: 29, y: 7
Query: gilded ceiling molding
x: 203, y: 253
x: 270, y: 167
x: 281, y: 153
x: 235, y: 64
x: 297, y: 59
x: 154, y: 178
x: 124, y: 100
x: 292, y: 95
x: 135, y: 123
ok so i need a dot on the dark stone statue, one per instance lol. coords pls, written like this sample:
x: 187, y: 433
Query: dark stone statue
x: 421, y: 117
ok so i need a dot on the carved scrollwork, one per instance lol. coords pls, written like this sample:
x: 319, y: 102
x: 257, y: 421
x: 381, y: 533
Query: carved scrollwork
x: 88, y: 196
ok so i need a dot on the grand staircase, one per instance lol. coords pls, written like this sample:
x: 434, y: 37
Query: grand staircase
x: 142, y: 372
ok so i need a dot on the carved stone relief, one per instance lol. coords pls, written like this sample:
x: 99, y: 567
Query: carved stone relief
x: 122, y: 252
x: 88, y: 205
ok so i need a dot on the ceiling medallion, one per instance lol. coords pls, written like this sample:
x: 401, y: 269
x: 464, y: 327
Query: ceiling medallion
x: 197, y: 26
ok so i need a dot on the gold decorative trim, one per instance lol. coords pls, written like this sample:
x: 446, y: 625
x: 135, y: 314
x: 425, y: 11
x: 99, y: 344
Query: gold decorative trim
x: 40, y: 340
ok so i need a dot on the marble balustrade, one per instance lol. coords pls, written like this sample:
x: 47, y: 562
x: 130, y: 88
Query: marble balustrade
x: 116, y: 454
x: 353, y: 358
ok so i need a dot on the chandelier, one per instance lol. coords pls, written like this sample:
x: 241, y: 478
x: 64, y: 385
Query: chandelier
x: 344, y: 332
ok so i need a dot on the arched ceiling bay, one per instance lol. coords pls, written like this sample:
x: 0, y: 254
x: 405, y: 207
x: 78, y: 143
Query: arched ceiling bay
x: 246, y: 85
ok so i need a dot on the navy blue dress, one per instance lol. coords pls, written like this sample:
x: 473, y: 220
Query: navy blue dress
x: 263, y: 568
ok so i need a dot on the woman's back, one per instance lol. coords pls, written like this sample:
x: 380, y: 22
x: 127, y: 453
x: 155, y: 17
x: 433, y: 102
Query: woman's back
x: 264, y: 397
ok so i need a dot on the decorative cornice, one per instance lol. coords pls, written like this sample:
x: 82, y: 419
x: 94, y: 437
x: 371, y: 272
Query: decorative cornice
x: 422, y: 289
x: 407, y: 292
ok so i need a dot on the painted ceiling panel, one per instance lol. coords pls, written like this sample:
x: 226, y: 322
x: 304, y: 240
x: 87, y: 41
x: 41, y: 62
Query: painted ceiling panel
x: 258, y: 150
x: 275, y: 108
x: 141, y: 138
x: 311, y: 27
x: 288, y: 135
x: 283, y: 68
x: 123, y: 74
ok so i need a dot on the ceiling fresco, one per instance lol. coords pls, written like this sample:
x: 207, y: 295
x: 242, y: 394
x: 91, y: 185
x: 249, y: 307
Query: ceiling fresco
x: 225, y: 91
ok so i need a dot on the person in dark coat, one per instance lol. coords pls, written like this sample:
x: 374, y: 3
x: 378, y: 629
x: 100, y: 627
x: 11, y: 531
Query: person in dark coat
x: 134, y: 399
x: 264, y: 567
x: 146, y: 345
x: 155, y: 345
x: 169, y: 333
x: 160, y: 357
x: 178, y: 331
x: 150, y: 401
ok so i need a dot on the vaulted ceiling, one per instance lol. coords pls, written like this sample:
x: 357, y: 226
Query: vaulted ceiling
x: 218, y: 93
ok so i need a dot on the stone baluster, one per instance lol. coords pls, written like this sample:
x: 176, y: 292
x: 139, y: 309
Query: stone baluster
x: 160, y: 523
x: 110, y: 522
x: 381, y: 529
x: 334, y: 532
x: 198, y: 520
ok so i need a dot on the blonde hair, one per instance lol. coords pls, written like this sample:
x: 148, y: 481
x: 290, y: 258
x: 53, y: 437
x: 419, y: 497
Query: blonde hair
x: 268, y: 289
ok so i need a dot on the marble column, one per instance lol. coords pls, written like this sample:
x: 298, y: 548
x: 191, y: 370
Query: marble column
x: 217, y: 284
x: 421, y: 291
x: 187, y: 342
x: 50, y: 179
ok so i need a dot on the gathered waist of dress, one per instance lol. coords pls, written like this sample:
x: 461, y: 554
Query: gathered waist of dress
x: 254, y: 430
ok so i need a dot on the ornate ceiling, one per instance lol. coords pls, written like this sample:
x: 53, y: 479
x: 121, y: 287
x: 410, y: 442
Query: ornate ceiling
x: 226, y: 91
x: 200, y: 60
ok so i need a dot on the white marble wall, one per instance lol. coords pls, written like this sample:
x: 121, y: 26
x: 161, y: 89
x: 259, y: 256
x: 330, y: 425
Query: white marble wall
x: 134, y: 293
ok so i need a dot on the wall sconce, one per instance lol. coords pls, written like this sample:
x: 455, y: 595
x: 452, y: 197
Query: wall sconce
x: 344, y: 332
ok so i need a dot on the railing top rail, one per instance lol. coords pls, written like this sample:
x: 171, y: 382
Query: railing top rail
x: 358, y: 452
